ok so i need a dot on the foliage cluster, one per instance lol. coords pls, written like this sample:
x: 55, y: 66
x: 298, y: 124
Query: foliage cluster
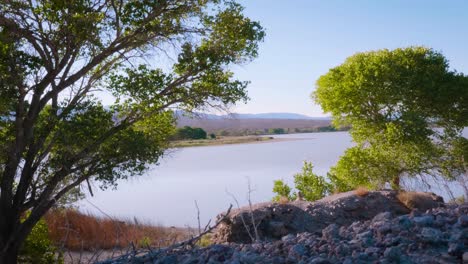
x: 188, y: 132
x: 311, y: 186
x: 276, y: 131
x: 57, y: 137
x: 407, y: 111
x: 39, y: 248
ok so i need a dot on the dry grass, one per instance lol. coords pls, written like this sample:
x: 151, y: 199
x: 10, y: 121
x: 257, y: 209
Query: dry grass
x: 361, y: 191
x: 283, y: 200
x: 77, y: 231
x: 419, y: 200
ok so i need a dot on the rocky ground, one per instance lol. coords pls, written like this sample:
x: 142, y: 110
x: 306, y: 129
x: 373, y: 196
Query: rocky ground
x: 438, y: 235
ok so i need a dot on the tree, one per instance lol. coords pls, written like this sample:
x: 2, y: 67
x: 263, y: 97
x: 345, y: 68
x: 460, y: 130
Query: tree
x: 402, y: 105
x: 199, y: 133
x: 56, y: 135
x: 188, y: 132
x: 276, y: 131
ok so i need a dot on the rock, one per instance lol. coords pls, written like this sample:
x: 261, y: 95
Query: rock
x: 277, y: 228
x: 384, y: 229
x: 430, y: 235
x: 168, y: 260
x: 385, y: 216
x: 463, y: 209
x: 463, y: 220
x: 331, y: 232
x: 298, y: 251
x: 404, y: 222
x: 420, y: 200
x: 380, y: 238
x: 393, y: 253
x: 319, y: 260
x: 426, y: 220
x: 456, y: 249
x: 274, y: 220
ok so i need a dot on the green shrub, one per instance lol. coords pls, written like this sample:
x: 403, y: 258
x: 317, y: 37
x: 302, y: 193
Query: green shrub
x: 38, y: 248
x: 188, y: 132
x: 205, y: 241
x: 312, y: 186
x: 282, y: 190
x: 145, y: 242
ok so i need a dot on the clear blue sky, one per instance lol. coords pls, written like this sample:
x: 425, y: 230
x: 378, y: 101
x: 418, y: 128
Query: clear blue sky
x: 305, y: 38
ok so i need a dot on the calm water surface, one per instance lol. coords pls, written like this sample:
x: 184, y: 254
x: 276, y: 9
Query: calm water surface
x: 211, y: 175
x: 167, y: 192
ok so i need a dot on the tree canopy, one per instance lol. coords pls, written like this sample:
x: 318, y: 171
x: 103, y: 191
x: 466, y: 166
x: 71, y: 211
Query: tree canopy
x: 406, y: 109
x: 188, y: 132
x: 152, y: 56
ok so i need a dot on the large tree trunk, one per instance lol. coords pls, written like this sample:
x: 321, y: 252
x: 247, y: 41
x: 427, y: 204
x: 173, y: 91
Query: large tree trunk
x: 12, y: 239
x: 10, y: 256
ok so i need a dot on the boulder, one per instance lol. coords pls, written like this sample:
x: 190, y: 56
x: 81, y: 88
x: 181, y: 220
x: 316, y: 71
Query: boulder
x: 275, y: 220
x: 420, y: 200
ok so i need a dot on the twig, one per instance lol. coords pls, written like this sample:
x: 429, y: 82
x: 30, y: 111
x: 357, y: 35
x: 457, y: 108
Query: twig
x: 193, y: 240
x: 257, y: 238
x: 198, y: 217
x: 242, y: 217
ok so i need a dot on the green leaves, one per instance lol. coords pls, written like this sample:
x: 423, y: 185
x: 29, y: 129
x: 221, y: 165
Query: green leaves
x: 401, y: 104
x: 282, y: 190
x: 54, y: 56
x: 311, y: 186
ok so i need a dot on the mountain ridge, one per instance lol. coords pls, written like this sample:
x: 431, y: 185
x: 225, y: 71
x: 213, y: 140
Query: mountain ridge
x: 272, y: 115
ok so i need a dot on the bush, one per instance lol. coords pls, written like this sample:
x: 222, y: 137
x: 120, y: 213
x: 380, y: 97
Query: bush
x: 276, y: 131
x: 38, y: 247
x: 190, y: 133
x: 312, y: 186
x: 282, y: 191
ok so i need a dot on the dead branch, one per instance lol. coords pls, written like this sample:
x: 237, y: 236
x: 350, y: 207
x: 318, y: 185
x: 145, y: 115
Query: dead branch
x: 247, y: 229
x: 254, y: 226
x: 198, y: 217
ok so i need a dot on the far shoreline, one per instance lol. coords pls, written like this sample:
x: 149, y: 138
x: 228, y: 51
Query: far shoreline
x: 227, y: 140
x: 235, y: 140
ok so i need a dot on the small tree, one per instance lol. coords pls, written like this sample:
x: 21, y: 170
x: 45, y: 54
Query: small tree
x: 188, y: 132
x: 312, y: 186
x: 56, y: 135
x: 405, y: 109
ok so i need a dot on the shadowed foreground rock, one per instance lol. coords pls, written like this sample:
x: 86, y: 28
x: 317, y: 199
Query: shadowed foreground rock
x: 439, y: 235
x: 274, y: 220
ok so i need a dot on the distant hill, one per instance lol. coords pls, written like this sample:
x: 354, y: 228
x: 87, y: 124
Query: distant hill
x: 277, y: 116
x: 247, y: 124
x: 255, y: 116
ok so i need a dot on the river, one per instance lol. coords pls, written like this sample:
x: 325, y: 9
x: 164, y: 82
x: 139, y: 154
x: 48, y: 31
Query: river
x: 212, y: 176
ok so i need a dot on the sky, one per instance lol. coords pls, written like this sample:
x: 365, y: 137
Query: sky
x: 305, y: 38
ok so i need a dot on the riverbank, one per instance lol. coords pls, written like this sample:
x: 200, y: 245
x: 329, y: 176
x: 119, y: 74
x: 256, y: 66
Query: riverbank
x: 219, y: 141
